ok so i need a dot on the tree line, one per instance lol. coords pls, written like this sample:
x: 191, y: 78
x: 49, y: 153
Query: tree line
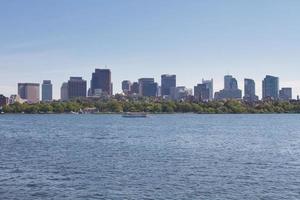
x: 156, y: 106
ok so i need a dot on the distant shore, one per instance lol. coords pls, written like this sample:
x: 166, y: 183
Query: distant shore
x: 2, y: 114
x: 119, y: 106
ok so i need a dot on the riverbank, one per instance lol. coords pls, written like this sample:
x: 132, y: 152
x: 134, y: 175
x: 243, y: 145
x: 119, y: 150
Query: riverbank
x: 154, y: 107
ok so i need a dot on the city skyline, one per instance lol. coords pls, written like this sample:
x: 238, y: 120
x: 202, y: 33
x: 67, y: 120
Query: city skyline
x: 194, y: 40
x: 226, y: 85
x: 100, y: 85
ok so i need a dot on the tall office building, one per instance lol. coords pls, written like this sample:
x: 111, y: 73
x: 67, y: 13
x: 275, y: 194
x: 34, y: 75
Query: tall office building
x: 167, y: 82
x: 101, y: 81
x: 230, y: 83
x: 76, y: 87
x: 270, y: 88
x: 285, y: 94
x: 147, y: 87
x: 64, y: 94
x: 201, y: 92
x: 29, y: 92
x: 47, y: 90
x: 210, y: 85
x: 230, y: 91
x: 135, y: 87
x: 249, y: 90
x: 126, y: 86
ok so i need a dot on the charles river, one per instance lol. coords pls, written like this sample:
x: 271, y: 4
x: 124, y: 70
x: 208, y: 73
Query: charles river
x: 178, y: 156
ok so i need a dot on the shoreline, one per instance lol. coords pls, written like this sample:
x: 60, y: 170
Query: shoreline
x: 114, y: 106
x: 175, y: 113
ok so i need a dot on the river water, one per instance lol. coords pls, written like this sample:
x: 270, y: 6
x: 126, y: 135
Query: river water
x: 178, y: 156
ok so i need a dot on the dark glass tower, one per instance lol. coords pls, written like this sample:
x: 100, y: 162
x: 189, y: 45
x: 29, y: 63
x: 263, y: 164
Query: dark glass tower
x: 101, y: 81
x: 249, y: 90
x: 47, y: 90
x: 76, y: 87
x: 167, y: 82
x: 147, y: 87
x: 270, y: 87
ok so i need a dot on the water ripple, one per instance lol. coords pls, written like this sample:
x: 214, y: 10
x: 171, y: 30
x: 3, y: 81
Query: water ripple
x: 163, y: 157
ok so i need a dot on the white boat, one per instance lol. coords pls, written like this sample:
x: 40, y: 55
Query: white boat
x: 134, y: 115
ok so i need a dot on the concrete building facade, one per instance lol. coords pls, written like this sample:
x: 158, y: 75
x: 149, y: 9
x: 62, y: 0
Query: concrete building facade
x: 30, y: 92
x: 77, y: 87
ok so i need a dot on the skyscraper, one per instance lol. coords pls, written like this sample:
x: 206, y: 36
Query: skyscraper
x: 285, y: 94
x: 64, y: 95
x: 210, y: 85
x: 228, y: 82
x: 135, y: 88
x: 270, y: 87
x: 46, y: 90
x: 201, y: 92
x: 167, y: 82
x: 29, y: 91
x: 101, y: 81
x: 126, y: 86
x: 249, y: 90
x: 230, y: 90
x: 76, y: 87
x: 147, y: 87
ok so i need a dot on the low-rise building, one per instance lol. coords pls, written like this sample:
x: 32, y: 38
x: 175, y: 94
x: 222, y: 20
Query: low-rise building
x: 15, y: 99
x: 285, y: 94
x: 3, y: 100
x: 180, y: 93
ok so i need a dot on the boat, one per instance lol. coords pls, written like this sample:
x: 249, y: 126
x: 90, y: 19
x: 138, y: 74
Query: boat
x: 134, y: 115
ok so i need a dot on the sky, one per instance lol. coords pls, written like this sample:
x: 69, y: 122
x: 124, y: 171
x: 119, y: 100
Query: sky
x: 194, y: 39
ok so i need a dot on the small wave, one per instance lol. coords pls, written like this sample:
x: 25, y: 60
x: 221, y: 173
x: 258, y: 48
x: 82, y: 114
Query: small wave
x: 17, y: 171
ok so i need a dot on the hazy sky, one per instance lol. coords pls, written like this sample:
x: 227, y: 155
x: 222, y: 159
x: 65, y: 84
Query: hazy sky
x: 194, y: 39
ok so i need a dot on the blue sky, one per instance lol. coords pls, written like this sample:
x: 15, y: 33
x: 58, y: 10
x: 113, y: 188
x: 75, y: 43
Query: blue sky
x: 195, y: 39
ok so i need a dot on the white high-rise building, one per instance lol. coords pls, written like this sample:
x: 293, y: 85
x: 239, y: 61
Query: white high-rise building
x: 64, y: 94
